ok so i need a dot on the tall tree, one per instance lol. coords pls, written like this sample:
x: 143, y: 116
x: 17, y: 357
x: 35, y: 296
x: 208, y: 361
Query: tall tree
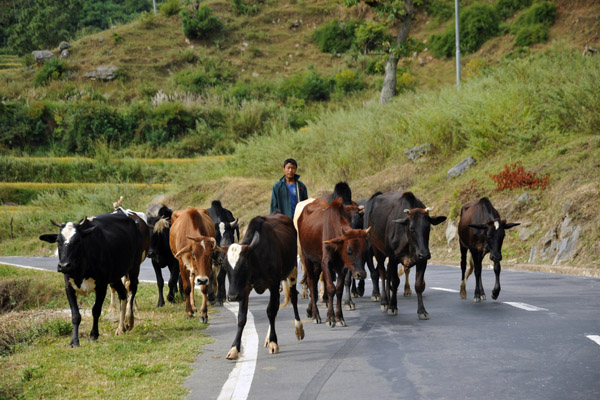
x: 400, y: 14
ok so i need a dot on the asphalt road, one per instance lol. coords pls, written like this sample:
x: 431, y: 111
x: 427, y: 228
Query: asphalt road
x: 539, y: 340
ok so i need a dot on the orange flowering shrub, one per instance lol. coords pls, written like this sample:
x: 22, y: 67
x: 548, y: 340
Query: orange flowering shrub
x: 514, y: 176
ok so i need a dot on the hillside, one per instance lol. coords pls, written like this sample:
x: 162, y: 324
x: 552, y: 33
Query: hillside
x: 345, y: 137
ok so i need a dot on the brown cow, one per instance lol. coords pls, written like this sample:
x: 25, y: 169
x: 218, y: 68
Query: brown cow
x: 481, y: 231
x: 328, y: 245
x: 192, y: 241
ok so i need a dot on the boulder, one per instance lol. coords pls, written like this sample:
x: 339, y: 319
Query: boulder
x: 104, y: 73
x: 64, y: 45
x: 41, y: 56
x: 414, y: 153
x: 461, y: 167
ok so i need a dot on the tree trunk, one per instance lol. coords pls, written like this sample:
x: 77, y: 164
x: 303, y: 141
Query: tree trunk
x: 391, y: 66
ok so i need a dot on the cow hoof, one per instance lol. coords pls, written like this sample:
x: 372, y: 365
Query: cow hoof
x: 308, y: 313
x: 273, y: 348
x: 118, y: 332
x: 342, y: 322
x: 354, y: 295
x: 423, y: 316
x: 375, y: 298
x: 463, y: 295
x: 73, y: 344
x: 384, y: 308
x: 407, y: 293
x: 299, y: 330
x: 331, y: 324
x: 477, y: 300
x: 483, y: 297
x: 392, y: 311
x: 233, y: 354
x: 349, y: 307
x: 495, y: 295
x: 204, y: 319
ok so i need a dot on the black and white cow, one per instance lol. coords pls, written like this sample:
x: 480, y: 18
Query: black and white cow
x: 161, y: 255
x: 95, y: 253
x: 226, y: 227
x: 265, y: 258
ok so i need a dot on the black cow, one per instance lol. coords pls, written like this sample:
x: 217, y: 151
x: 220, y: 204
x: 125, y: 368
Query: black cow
x: 400, y: 231
x: 94, y: 253
x: 265, y: 258
x: 481, y: 231
x: 226, y: 226
x: 161, y: 255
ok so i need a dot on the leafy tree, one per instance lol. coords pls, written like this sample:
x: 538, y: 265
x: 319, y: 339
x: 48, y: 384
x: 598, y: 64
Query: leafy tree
x: 394, y: 12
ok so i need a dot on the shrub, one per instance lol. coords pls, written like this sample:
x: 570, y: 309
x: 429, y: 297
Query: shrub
x: 335, y: 36
x: 370, y: 36
x: 514, y: 176
x: 306, y: 86
x: 245, y: 91
x: 440, y: 10
x: 507, y: 8
x: 212, y: 73
x: 533, y: 25
x: 168, y: 121
x: 200, y: 24
x: 375, y: 66
x: 532, y: 34
x: 26, y: 127
x: 243, y: 9
x: 474, y: 67
x: 51, y: 70
x: 170, y: 8
x: 405, y: 81
x: 348, y: 81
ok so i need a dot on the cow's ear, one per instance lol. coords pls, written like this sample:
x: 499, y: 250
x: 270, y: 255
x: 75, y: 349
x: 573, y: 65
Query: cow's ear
x: 186, y: 249
x: 478, y: 226
x: 50, y: 238
x: 437, y: 220
x: 255, y: 240
x: 509, y: 225
x: 335, y: 241
x: 85, y: 232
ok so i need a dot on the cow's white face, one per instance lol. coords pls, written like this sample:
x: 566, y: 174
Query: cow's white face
x: 222, y: 228
x: 68, y: 232
x: 233, y: 254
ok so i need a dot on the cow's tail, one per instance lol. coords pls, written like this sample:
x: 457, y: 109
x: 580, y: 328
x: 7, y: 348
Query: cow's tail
x: 286, y: 285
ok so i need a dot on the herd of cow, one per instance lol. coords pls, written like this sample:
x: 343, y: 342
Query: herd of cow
x: 332, y: 238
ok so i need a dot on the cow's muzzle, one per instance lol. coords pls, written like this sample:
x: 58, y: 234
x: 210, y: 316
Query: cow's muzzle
x: 425, y: 255
x: 359, y: 275
x: 201, y: 280
x: 234, y: 297
x: 64, y: 267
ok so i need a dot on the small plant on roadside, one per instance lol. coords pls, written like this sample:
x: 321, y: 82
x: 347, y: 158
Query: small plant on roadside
x: 514, y: 176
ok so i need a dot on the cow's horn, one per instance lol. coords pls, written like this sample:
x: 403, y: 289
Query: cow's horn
x: 344, y: 233
x: 234, y: 223
x: 55, y: 223
x: 429, y: 209
x: 361, y: 207
x: 368, y: 230
x: 406, y: 210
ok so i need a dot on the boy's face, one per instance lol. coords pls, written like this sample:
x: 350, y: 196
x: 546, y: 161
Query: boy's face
x: 289, y: 170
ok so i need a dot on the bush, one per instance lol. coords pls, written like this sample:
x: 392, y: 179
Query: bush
x: 51, y: 70
x: 370, y: 36
x: 242, y: 9
x: 478, y: 23
x: 306, y: 86
x: 348, y: 81
x: 376, y: 66
x: 26, y: 127
x: 335, y: 36
x: 168, y: 121
x: 201, y: 24
x: 533, y: 25
x: 405, y: 81
x: 254, y: 90
x: 528, y: 35
x: 514, y: 176
x: 441, y: 10
x: 212, y: 73
x: 170, y: 7
x: 507, y: 8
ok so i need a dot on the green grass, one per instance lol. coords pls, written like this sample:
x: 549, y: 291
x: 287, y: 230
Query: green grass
x: 161, y: 347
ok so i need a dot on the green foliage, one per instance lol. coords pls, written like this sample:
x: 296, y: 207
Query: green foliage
x: 533, y: 25
x: 117, y: 38
x: 212, y: 72
x: 25, y: 127
x: 441, y: 10
x: 375, y: 66
x: 307, y: 85
x: 370, y: 36
x: 167, y: 122
x: 200, y: 24
x: 170, y: 8
x: 255, y: 89
x: 240, y: 8
x: 478, y: 23
x: 348, y: 81
x: 52, y: 69
x: 335, y: 36
x: 507, y: 8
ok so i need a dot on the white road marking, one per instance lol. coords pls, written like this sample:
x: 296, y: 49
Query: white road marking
x: 445, y: 290
x: 525, y: 306
x: 240, y: 379
x: 25, y: 266
x: 594, y: 338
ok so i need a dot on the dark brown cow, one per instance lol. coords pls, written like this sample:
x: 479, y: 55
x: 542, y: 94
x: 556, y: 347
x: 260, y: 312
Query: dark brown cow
x: 192, y: 241
x: 481, y: 231
x: 265, y: 258
x: 400, y: 231
x: 329, y: 244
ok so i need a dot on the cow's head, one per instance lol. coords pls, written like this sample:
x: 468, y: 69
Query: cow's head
x: 197, y: 255
x: 69, y: 241
x: 237, y: 266
x: 160, y: 235
x: 494, y: 236
x: 417, y: 223
x: 225, y: 234
x: 353, y: 249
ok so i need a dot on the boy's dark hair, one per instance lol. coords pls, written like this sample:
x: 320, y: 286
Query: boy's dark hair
x: 290, y: 161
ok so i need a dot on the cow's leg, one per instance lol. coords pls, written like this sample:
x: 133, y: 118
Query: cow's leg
x: 122, y: 295
x: 385, y: 289
x: 419, y: 288
x: 323, y: 290
x: 173, y: 278
x: 212, y: 285
x: 97, y: 308
x: 298, y: 328
x: 132, y: 290
x: 463, y: 268
x: 272, y: 308
x: 393, y: 283
x: 303, y: 283
x: 193, y: 292
x: 375, y: 295
x: 113, y: 301
x: 360, y: 288
x: 496, y: 290
x: 329, y: 288
x: 479, y: 293
x: 221, y: 291
x: 75, y: 315
x: 348, y: 281
x: 242, y: 317
x: 188, y: 290
x: 160, y: 282
x: 204, y: 306
x: 407, y: 291
x: 339, y: 289
x: 311, y: 279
